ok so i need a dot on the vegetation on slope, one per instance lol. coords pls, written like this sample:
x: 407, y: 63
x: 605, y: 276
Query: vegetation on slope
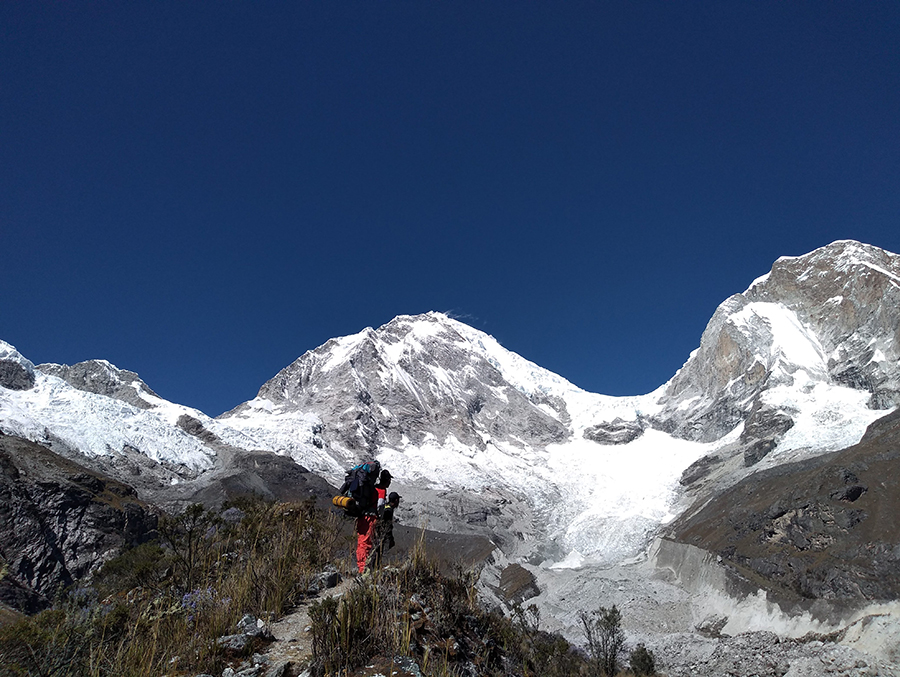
x: 162, y: 607
x: 159, y: 608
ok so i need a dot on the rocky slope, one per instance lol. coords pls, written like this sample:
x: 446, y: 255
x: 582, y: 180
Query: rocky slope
x: 59, y: 522
x: 824, y: 528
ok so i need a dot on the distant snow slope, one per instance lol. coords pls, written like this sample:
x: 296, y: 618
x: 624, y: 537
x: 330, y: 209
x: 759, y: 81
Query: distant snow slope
x: 71, y: 420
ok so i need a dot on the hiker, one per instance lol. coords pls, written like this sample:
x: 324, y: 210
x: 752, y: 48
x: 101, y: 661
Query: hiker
x: 384, y: 529
x: 365, y: 538
x: 384, y: 481
x: 359, y: 498
x: 364, y: 496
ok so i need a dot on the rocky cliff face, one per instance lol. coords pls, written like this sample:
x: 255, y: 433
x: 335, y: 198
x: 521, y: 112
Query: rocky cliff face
x: 823, y: 528
x: 59, y: 522
x: 412, y: 378
x: 102, y: 378
x: 16, y: 373
x: 829, y: 319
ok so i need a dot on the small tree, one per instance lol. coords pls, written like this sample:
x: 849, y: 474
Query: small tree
x: 605, y: 638
x: 642, y: 661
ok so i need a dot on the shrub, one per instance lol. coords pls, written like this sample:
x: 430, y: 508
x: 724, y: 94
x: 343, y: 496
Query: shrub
x: 144, y: 566
x: 642, y: 661
x: 605, y: 638
x: 164, y: 604
x: 416, y: 611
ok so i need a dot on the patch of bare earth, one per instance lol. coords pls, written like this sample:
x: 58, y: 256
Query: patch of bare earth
x: 293, y: 637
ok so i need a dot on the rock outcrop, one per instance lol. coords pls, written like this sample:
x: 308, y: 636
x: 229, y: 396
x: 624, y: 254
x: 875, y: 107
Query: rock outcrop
x: 617, y: 431
x: 59, y: 522
x: 102, y: 378
x: 823, y: 528
x: 16, y: 372
x: 830, y: 317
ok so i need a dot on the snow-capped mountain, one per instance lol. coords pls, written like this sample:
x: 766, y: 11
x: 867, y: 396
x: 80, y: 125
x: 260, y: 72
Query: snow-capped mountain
x: 799, y: 364
x: 804, y: 359
x: 481, y: 439
x: 95, y: 410
x: 422, y: 381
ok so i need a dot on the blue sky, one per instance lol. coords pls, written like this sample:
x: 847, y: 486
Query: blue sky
x: 201, y: 192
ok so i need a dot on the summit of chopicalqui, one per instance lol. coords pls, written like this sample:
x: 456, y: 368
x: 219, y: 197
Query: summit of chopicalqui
x: 417, y: 380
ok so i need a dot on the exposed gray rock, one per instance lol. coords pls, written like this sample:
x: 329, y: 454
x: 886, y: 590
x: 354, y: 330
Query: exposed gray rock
x: 234, y: 643
x: 712, y: 625
x: 59, y: 522
x: 615, y: 432
x: 254, y: 627
x: 390, y: 385
x: 251, y: 631
x: 764, y: 654
x: 700, y: 469
x: 323, y: 581
x: 763, y: 429
x: 102, y: 378
x: 192, y: 426
x: 279, y: 669
x: 16, y: 372
x: 842, y: 303
x: 15, y: 376
x: 517, y: 584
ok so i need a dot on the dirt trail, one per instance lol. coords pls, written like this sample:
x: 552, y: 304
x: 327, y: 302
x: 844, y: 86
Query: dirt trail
x: 293, y: 640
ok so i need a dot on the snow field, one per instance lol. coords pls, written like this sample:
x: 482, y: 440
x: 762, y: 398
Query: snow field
x: 96, y: 425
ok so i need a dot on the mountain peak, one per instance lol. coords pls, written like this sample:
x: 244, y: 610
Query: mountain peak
x: 425, y: 367
x: 16, y: 372
x: 844, y: 252
x: 104, y: 378
x: 822, y: 322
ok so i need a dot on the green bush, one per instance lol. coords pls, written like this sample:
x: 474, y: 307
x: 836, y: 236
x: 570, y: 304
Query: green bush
x: 144, y: 566
x: 642, y: 661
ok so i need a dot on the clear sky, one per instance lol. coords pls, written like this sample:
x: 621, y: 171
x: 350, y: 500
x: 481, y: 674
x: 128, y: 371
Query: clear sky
x: 201, y: 192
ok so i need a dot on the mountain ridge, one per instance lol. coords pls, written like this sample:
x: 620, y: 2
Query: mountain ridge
x: 569, y: 486
x: 450, y: 410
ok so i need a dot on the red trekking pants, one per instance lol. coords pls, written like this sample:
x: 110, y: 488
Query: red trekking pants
x: 365, y: 540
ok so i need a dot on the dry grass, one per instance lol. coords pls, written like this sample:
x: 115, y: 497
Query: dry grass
x: 413, y: 610
x: 159, y: 608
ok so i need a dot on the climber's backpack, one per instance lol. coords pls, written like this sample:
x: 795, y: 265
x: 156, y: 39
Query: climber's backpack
x: 358, y: 491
